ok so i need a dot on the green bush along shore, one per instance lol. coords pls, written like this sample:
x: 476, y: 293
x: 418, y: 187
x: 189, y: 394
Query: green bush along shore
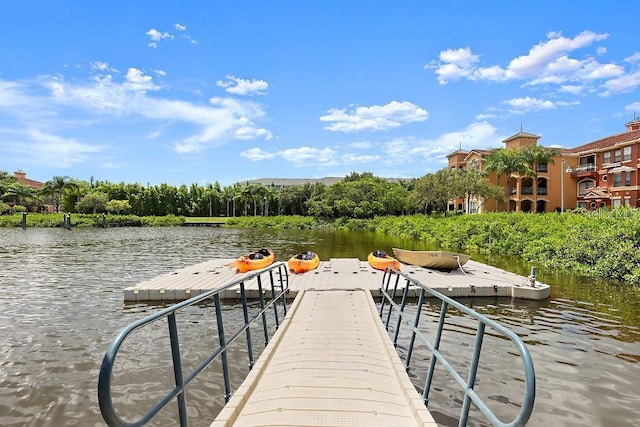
x: 89, y: 220
x: 602, y: 243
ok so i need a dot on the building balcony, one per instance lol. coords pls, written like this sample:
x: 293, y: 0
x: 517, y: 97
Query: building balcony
x: 588, y: 169
x: 542, y: 191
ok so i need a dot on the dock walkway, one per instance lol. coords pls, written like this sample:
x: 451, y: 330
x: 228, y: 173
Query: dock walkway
x: 330, y: 363
x: 478, y: 280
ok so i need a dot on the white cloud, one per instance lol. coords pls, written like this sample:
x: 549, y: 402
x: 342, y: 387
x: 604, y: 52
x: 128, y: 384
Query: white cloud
x: 622, y: 84
x: 485, y: 116
x: 256, y: 154
x: 411, y: 150
x: 13, y: 94
x: 547, y: 63
x: 454, y: 64
x: 374, y: 118
x: 137, y: 81
x: 633, y: 107
x: 547, y: 52
x: 238, y: 86
x: 180, y: 28
x: 528, y: 104
x: 190, y: 39
x: 156, y: 36
x: 248, y: 132
x: 40, y: 148
x: 102, y: 67
x: 361, y: 145
x: 51, y: 105
x: 633, y: 58
x: 572, y: 89
x: 351, y: 158
x: 304, y: 156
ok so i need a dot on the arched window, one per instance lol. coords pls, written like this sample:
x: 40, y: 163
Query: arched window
x: 584, y: 185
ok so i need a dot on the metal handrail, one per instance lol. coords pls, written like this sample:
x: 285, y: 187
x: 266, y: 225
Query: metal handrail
x: 281, y: 281
x: 467, y: 385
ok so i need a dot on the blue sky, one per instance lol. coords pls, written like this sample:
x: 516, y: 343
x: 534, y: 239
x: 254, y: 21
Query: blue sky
x: 204, y: 91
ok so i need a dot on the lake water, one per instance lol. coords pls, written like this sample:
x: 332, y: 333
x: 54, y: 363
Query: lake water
x: 61, y: 304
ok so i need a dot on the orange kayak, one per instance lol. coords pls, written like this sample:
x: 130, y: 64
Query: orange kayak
x: 303, y: 262
x: 380, y: 260
x: 255, y: 260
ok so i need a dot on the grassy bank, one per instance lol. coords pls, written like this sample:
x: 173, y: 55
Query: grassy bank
x: 88, y: 220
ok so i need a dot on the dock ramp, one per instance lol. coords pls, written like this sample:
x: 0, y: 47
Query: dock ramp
x: 330, y: 363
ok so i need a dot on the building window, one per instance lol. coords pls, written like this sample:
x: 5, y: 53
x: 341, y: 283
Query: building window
x: 606, y: 157
x: 582, y: 205
x: 617, y: 179
x: 583, y: 186
x: 617, y: 155
x: 627, y: 179
x: 627, y: 153
x: 604, y: 178
x: 627, y: 201
x: 616, y: 203
x: 473, y: 206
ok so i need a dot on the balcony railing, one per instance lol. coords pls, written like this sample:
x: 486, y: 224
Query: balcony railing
x: 542, y: 191
x: 588, y: 167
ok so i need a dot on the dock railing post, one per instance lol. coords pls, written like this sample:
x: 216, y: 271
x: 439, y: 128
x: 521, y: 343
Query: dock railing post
x: 402, y: 306
x: 245, y: 312
x: 436, y: 347
x: 262, y: 310
x: 393, y: 296
x: 416, y: 322
x: 223, y: 344
x: 177, y: 369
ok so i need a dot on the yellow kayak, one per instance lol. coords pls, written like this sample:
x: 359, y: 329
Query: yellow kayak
x: 303, y: 262
x: 379, y: 260
x: 255, y: 260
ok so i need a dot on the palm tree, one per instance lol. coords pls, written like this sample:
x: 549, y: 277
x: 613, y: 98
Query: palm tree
x: 55, y: 188
x: 227, y: 196
x: 508, y: 162
x: 534, y: 156
x: 18, y: 192
x: 496, y: 162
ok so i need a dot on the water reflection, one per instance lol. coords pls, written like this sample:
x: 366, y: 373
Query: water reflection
x: 62, y: 304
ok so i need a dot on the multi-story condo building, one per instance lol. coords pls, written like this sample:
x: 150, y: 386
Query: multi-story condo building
x: 602, y: 173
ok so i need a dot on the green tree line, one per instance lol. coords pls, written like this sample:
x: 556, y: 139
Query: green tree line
x: 357, y: 196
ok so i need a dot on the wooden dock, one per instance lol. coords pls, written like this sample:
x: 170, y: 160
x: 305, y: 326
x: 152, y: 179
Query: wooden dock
x: 478, y: 280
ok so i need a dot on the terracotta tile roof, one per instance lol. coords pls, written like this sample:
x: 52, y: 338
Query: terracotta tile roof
x: 29, y: 182
x: 607, y: 142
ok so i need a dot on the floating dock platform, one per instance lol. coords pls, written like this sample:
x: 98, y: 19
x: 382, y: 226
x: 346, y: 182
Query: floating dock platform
x: 477, y: 280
